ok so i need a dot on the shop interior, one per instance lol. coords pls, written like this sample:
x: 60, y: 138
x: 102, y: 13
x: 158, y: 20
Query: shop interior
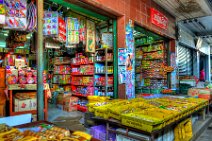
x: 78, y: 61
x: 151, y: 62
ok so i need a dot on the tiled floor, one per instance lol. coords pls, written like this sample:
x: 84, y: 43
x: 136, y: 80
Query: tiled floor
x: 206, y: 135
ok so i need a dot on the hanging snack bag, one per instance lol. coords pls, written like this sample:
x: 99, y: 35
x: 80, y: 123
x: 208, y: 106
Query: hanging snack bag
x: 16, y: 14
x: 72, y: 32
x: 2, y: 12
x: 50, y: 26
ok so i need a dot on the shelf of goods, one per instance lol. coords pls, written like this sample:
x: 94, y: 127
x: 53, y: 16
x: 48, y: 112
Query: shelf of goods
x: 82, y: 79
x: 62, y: 71
x: 25, y: 102
x: 104, y: 72
x: 151, y: 67
x: 150, y: 117
x: 41, y: 130
x: 22, y: 87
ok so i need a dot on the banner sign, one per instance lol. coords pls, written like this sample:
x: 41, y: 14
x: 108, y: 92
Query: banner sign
x: 158, y: 18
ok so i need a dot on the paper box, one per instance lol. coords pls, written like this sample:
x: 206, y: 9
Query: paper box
x: 33, y: 104
x: 70, y: 101
x: 11, y: 75
x: 21, y: 105
x: 19, y: 63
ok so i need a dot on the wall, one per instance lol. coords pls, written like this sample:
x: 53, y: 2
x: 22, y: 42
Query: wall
x: 136, y: 10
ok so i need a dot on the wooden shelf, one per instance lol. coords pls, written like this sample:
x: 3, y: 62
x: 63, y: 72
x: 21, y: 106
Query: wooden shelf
x: 62, y: 84
x: 80, y: 95
x: 22, y: 87
x: 104, y: 49
x: 81, y: 85
x: 82, y: 74
x: 23, y: 112
x: 62, y: 63
x: 61, y: 74
x: 82, y: 64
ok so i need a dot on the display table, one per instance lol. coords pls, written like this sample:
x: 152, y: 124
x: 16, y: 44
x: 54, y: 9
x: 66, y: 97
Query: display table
x: 28, y: 125
x: 151, y: 136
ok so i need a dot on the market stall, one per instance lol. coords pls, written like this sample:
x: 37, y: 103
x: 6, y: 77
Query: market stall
x: 152, y: 118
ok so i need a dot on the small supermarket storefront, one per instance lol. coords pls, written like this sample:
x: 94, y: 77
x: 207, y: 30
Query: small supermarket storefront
x: 136, y: 14
x: 152, y: 21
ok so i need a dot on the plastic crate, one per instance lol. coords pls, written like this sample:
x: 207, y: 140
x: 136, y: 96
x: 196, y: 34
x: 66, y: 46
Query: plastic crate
x: 146, y: 90
x: 99, y: 132
x: 155, y: 91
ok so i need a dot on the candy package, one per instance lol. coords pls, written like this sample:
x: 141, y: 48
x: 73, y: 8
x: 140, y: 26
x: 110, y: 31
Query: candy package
x: 16, y: 14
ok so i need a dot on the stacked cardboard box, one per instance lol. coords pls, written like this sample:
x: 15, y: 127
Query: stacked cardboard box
x: 25, y: 101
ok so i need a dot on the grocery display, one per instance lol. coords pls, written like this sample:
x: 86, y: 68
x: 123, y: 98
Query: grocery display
x: 41, y: 131
x: 151, y: 62
x: 148, y: 114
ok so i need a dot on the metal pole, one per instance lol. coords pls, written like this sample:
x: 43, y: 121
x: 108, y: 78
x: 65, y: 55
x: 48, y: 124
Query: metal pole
x: 115, y: 59
x: 40, y: 63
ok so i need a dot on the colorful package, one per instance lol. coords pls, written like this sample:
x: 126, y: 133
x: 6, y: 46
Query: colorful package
x: 50, y: 26
x: 16, y: 15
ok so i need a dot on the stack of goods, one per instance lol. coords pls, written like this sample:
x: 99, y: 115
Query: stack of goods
x: 203, y: 93
x: 22, y: 76
x: 41, y: 132
x: 83, y: 70
x: 66, y: 102
x: 84, y: 91
x: 82, y: 60
x: 65, y: 69
x: 141, y: 41
x: 61, y: 60
x: 25, y: 102
x: 84, y: 81
x: 70, y: 103
x: 61, y: 79
x: 147, y: 115
x: 151, y: 68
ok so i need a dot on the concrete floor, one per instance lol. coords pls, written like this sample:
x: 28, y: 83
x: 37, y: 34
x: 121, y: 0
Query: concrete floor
x: 206, y: 135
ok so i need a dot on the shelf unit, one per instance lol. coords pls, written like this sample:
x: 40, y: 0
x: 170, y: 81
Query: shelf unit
x: 25, y: 87
x: 104, y: 70
x: 140, y: 73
